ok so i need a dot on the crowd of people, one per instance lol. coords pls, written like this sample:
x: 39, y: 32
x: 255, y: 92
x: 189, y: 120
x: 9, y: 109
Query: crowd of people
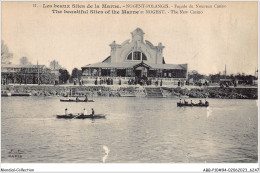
x: 101, y: 81
x: 144, y: 81
x: 80, y: 82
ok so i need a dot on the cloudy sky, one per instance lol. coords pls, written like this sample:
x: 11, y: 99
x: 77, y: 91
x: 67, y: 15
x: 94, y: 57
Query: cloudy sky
x: 206, y: 42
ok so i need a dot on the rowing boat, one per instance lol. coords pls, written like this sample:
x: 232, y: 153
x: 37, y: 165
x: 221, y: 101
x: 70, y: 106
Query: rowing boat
x: 127, y: 95
x: 81, y: 116
x: 15, y: 94
x: 192, y: 104
x: 21, y: 94
x: 73, y: 100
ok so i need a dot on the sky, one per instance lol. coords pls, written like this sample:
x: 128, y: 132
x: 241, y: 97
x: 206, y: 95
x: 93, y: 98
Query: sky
x: 206, y: 42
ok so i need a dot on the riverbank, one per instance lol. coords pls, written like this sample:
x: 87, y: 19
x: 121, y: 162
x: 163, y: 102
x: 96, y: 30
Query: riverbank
x: 214, y: 92
x: 128, y: 90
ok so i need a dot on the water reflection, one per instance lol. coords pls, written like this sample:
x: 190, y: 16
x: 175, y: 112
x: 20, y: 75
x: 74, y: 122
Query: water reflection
x: 135, y: 130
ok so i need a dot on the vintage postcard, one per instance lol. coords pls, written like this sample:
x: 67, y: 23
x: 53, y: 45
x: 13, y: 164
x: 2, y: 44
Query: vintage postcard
x: 173, y: 82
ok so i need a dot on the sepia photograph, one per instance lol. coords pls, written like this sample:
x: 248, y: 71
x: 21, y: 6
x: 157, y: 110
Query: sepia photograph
x: 172, y: 82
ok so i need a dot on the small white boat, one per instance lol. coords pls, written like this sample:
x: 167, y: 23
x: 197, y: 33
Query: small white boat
x: 6, y: 94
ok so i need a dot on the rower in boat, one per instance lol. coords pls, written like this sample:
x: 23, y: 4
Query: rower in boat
x: 66, y: 111
x: 93, y: 112
x: 200, y: 104
x: 85, y: 112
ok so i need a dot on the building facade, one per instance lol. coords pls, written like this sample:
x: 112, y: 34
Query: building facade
x: 136, y: 58
x: 27, y: 74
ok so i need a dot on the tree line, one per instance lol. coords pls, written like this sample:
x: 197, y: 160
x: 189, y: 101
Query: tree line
x: 215, y: 78
x: 63, y: 73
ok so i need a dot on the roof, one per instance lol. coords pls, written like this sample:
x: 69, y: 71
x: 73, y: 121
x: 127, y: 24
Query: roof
x: 111, y: 65
x: 169, y: 66
x: 108, y: 59
x: 132, y: 64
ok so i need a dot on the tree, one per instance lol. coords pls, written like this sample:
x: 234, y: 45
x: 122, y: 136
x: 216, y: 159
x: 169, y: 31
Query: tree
x: 64, y: 75
x: 54, y: 65
x: 24, y: 61
x: 195, y: 76
x: 215, y: 78
x: 76, y: 73
x: 6, y: 56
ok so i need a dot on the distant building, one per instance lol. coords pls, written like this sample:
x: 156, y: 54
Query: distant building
x: 136, y: 58
x: 27, y: 74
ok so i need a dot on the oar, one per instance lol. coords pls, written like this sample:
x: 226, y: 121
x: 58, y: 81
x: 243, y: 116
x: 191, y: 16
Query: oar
x: 76, y: 116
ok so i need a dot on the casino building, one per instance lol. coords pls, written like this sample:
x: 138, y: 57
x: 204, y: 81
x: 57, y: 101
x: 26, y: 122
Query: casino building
x: 136, y: 58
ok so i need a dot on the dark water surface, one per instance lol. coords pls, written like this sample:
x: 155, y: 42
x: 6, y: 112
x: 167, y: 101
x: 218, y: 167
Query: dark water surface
x: 136, y: 130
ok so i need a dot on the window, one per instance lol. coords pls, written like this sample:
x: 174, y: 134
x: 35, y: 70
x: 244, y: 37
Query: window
x: 143, y: 57
x: 129, y: 56
x: 121, y: 72
x: 137, y: 56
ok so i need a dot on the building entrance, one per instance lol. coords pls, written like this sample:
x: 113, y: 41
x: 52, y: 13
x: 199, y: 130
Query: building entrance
x: 138, y: 73
x: 141, y: 72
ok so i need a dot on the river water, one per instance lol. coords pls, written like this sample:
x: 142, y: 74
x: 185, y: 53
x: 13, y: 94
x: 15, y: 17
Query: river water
x: 146, y: 130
